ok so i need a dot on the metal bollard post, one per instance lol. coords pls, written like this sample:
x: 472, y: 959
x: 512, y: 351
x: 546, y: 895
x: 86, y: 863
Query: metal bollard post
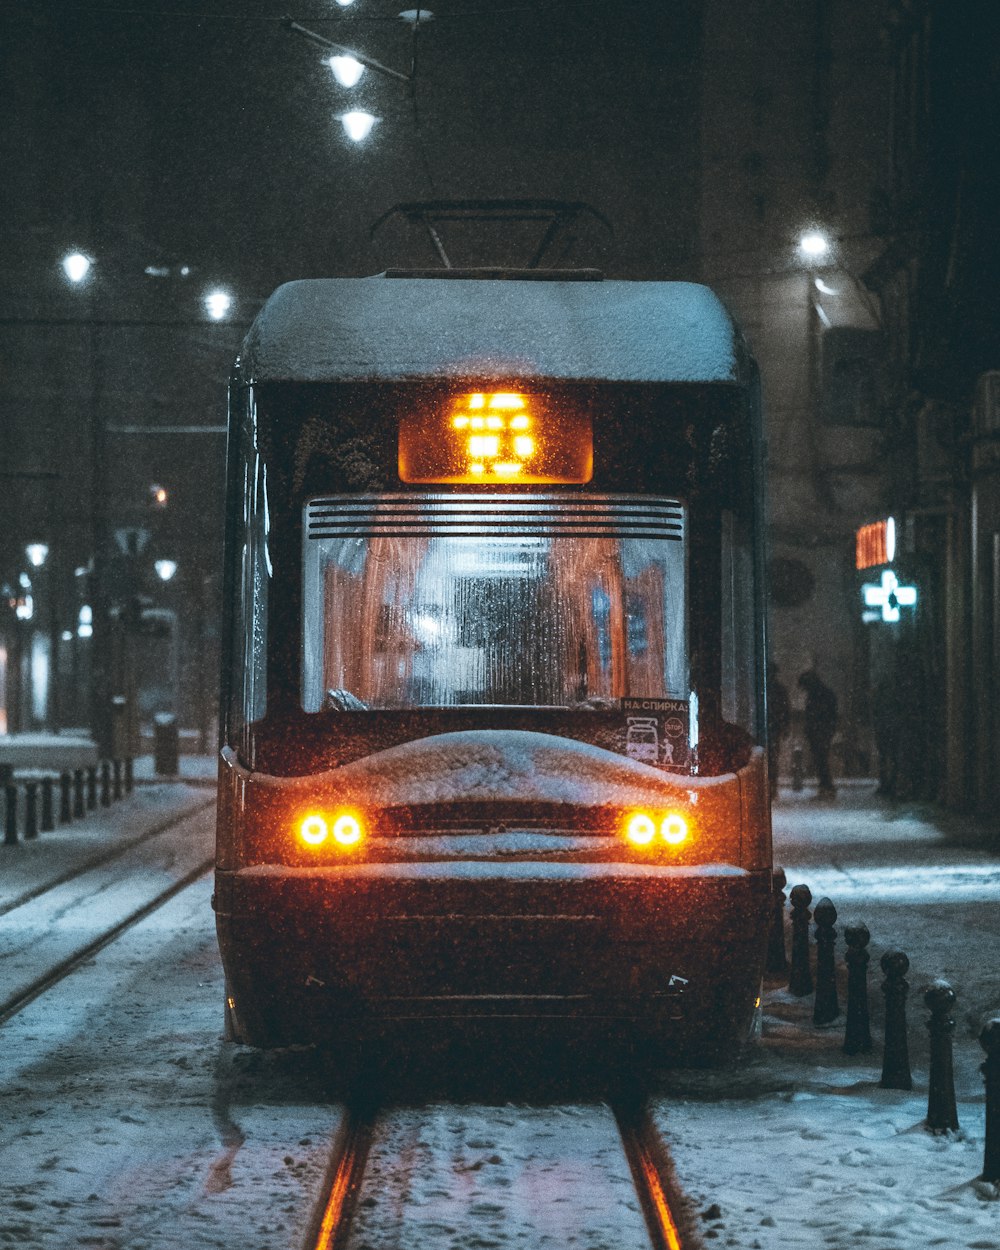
x: 105, y: 784
x: 942, y: 1114
x: 777, y: 961
x: 10, y: 814
x: 116, y: 791
x: 48, y: 809
x: 798, y: 768
x: 989, y: 1039
x: 857, y: 1031
x: 30, y: 809
x: 65, y: 789
x: 896, y: 1056
x: 78, y: 808
x: 129, y: 775
x: 91, y: 787
x: 800, y: 980
x: 826, y: 1007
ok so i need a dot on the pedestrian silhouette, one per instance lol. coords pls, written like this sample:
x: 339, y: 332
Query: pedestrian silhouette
x: 778, y: 720
x: 820, y: 722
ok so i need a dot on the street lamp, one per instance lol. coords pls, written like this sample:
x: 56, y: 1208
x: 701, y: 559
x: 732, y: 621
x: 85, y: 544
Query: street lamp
x: 37, y: 554
x: 346, y: 69
x: 814, y: 245
x: 218, y: 303
x: 165, y: 569
x: 357, y: 124
x: 76, y: 266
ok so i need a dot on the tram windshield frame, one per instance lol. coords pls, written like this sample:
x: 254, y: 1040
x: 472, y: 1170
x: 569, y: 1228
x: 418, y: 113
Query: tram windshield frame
x: 292, y: 443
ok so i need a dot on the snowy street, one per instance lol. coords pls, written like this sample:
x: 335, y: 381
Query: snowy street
x: 128, y: 1122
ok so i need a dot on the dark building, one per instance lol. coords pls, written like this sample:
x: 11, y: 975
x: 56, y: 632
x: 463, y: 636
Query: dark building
x: 938, y: 280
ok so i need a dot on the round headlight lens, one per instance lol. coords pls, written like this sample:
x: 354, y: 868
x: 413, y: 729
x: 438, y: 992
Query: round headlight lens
x: 640, y: 829
x: 313, y: 830
x: 674, y: 829
x: 347, y: 830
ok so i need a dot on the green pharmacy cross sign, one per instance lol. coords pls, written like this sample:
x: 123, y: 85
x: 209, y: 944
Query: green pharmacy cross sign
x: 888, y: 596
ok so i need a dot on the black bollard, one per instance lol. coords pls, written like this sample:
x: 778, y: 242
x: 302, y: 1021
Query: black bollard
x: 116, y: 789
x: 91, y: 787
x: 129, y: 775
x: 989, y: 1039
x: 65, y: 789
x: 10, y: 814
x: 826, y: 1008
x: 105, y: 784
x: 78, y: 808
x: 48, y: 809
x: 800, y: 980
x: 777, y: 962
x: 857, y: 1032
x: 30, y: 809
x: 896, y: 1055
x: 942, y: 1114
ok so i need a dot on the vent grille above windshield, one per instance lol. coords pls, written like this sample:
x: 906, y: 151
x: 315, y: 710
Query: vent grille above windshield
x: 487, y: 515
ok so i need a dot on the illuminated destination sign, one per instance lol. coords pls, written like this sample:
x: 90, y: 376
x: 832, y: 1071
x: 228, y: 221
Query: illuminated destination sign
x: 496, y: 438
x: 875, y: 544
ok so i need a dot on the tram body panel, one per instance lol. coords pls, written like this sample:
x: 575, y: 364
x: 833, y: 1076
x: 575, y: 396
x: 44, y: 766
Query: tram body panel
x: 484, y: 671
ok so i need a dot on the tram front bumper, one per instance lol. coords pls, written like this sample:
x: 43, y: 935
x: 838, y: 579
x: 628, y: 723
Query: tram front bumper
x: 307, y: 950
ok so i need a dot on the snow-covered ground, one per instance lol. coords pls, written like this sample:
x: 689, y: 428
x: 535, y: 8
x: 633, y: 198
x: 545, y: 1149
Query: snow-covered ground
x: 801, y: 1148
x: 125, y: 1121
x: 463, y: 1177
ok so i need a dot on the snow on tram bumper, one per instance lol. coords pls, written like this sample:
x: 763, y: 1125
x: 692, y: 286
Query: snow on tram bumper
x: 496, y: 908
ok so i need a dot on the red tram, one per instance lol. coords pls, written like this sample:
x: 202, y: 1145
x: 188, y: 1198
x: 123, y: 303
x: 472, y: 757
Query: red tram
x: 493, y: 691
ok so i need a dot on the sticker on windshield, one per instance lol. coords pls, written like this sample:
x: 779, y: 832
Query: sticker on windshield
x: 656, y: 732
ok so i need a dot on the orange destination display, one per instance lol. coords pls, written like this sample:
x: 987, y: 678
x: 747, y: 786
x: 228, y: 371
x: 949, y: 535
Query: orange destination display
x: 498, y: 438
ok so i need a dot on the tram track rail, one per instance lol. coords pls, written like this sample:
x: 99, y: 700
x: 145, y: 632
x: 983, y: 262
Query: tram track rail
x: 653, y: 1177
x: 656, y: 1189
x: 101, y: 858
x: 58, y: 972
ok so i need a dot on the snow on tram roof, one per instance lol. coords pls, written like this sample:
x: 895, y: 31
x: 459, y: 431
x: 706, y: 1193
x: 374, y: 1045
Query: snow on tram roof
x: 404, y: 329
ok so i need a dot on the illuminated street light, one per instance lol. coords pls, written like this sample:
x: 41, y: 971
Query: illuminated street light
x: 37, y: 553
x: 814, y: 245
x: 158, y: 495
x: 357, y: 125
x: 76, y: 266
x: 217, y: 304
x: 345, y: 3
x: 346, y: 70
x: 165, y: 569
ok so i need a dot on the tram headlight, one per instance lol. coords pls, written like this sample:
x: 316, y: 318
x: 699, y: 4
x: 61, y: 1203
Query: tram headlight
x: 343, y: 829
x: 347, y: 830
x: 640, y: 829
x: 314, y: 830
x: 674, y: 829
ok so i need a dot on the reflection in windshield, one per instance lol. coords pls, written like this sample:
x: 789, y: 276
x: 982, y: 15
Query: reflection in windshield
x: 443, y: 618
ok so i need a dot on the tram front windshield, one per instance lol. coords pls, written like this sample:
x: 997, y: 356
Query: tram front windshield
x: 441, y: 619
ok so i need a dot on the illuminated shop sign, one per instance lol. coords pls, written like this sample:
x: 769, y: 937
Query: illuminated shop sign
x: 884, y: 600
x: 875, y: 544
x: 496, y: 438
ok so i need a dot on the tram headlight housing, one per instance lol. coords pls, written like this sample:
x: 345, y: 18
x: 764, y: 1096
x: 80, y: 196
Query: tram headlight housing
x: 341, y: 830
x: 674, y: 829
x: 641, y: 829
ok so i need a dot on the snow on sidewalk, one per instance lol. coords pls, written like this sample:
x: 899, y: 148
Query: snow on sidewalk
x: 801, y: 1148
